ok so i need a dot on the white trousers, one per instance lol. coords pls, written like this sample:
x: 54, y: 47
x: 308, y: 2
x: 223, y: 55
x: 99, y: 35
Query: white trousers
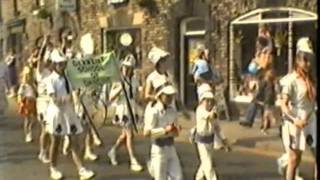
x: 165, y: 164
x: 205, y: 169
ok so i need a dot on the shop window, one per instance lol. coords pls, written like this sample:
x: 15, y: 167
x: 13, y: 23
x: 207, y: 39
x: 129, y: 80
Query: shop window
x: 285, y: 26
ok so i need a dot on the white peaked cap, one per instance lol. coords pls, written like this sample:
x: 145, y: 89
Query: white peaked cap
x: 167, y: 89
x: 205, y: 91
x: 304, y: 45
x: 87, y: 44
x: 56, y: 57
x: 155, y: 54
x: 129, y: 60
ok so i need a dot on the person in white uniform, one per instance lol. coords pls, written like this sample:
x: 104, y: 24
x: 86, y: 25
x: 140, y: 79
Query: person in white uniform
x: 43, y: 71
x: 62, y: 121
x: 160, y: 124
x: 207, y: 127
x: 122, y: 114
x: 298, y: 108
x: 159, y: 75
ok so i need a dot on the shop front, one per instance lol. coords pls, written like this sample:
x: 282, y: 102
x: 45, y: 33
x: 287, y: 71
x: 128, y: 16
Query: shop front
x: 286, y: 26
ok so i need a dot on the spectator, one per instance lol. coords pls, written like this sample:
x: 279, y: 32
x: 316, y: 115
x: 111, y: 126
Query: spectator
x: 11, y: 63
x: 268, y: 88
x: 3, y: 86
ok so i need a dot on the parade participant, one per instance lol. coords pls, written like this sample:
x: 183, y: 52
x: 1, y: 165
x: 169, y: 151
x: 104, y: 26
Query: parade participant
x: 298, y: 108
x: 160, y: 124
x: 63, y: 120
x: 207, y: 126
x: 27, y: 102
x: 159, y: 76
x: 122, y: 116
x: 43, y: 71
x: 4, y: 81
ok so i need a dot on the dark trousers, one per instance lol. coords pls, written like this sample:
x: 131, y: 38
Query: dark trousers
x: 252, y: 111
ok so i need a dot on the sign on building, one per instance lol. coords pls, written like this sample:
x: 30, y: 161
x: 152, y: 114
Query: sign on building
x: 66, y: 5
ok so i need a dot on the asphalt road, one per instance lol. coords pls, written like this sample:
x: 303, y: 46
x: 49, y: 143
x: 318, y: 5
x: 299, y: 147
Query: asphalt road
x: 18, y: 160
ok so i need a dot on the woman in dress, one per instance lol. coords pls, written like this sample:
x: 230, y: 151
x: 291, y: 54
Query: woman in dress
x: 122, y: 115
x: 63, y: 120
x: 298, y: 107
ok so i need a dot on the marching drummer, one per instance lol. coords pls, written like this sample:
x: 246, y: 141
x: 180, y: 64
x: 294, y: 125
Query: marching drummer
x: 161, y: 126
x: 62, y: 120
x: 122, y: 115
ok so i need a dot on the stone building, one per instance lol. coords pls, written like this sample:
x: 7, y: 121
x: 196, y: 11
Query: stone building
x: 227, y: 27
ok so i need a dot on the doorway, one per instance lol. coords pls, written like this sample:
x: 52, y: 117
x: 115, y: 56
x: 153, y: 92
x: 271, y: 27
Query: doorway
x: 192, y: 35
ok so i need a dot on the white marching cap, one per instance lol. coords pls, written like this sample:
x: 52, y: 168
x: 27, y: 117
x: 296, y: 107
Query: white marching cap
x: 56, y: 57
x: 129, y: 60
x: 155, y: 54
x: 205, y: 91
x: 304, y: 45
x: 167, y: 89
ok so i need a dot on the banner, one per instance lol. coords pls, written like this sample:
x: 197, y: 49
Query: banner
x: 92, y: 71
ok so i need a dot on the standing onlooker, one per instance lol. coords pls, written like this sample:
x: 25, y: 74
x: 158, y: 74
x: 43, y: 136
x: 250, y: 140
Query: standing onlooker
x: 13, y: 80
x: 3, y: 87
x: 268, y: 88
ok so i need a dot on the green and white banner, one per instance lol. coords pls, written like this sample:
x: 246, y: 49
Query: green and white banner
x: 92, y: 71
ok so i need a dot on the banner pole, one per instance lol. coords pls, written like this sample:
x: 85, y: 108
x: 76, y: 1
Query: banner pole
x: 132, y: 117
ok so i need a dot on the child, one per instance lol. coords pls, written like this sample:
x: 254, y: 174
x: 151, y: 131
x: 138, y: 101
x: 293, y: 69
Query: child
x: 27, y: 102
x: 160, y: 124
x: 63, y: 120
x: 207, y: 127
x: 122, y: 112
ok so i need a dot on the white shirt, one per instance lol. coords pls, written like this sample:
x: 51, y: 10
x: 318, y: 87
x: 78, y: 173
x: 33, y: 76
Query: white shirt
x: 156, y: 116
x: 26, y: 90
x: 156, y: 79
x: 204, y: 124
x: 42, y: 79
x: 57, y: 85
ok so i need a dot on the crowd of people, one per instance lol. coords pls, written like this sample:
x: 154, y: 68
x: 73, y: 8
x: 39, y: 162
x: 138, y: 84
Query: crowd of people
x: 46, y: 95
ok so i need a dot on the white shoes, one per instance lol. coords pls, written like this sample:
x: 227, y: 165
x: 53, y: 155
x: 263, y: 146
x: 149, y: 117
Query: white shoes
x: 55, y: 174
x: 28, y: 138
x: 135, y: 166
x: 85, y: 174
x: 112, y: 157
x: 282, y: 165
x: 96, y: 141
x: 43, y: 158
x: 88, y: 155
